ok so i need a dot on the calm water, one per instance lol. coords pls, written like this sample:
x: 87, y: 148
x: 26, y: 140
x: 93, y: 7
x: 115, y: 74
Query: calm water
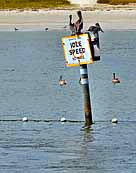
x: 30, y: 66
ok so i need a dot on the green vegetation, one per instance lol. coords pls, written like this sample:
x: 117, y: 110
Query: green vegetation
x: 116, y: 2
x: 34, y: 4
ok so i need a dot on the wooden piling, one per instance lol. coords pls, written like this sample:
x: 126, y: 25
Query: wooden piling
x: 83, y: 67
x: 86, y: 94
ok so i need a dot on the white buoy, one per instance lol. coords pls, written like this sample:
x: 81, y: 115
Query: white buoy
x: 63, y: 119
x: 24, y: 119
x: 114, y: 120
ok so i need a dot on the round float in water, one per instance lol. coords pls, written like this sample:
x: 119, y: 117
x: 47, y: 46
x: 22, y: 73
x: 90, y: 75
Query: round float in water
x: 63, y: 119
x: 24, y: 119
x: 114, y: 120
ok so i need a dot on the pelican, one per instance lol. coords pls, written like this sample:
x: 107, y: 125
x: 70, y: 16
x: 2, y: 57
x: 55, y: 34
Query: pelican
x: 115, y: 80
x: 95, y: 29
x: 78, y: 25
x: 79, y: 22
x: 62, y: 81
x: 72, y: 25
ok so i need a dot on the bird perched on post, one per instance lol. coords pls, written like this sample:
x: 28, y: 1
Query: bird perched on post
x: 115, y: 80
x: 72, y: 25
x: 95, y: 29
x: 62, y: 81
x: 78, y: 25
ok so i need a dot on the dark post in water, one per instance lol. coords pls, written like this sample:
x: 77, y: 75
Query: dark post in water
x: 81, y: 49
x: 84, y: 79
x: 86, y: 93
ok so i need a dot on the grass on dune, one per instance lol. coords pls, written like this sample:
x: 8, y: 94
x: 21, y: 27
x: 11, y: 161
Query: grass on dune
x: 37, y: 4
x: 116, y: 2
x: 13, y: 4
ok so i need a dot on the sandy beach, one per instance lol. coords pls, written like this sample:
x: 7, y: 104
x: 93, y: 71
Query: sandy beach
x: 110, y: 18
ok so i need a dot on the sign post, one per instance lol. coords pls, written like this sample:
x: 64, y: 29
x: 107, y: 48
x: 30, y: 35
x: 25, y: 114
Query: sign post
x: 77, y: 52
x: 86, y: 93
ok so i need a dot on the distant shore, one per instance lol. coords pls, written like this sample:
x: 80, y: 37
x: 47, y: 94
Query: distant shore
x: 110, y: 17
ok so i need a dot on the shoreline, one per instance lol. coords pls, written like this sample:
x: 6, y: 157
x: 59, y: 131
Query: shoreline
x: 54, y: 19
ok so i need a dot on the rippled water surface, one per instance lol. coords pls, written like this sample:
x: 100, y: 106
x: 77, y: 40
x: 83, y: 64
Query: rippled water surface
x: 30, y: 66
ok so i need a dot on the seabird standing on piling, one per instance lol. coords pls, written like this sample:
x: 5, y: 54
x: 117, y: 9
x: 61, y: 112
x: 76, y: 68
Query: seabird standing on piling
x: 72, y: 25
x: 96, y: 28
x: 78, y: 25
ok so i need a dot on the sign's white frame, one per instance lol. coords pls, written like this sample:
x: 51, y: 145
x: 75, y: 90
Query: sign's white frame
x: 77, y: 50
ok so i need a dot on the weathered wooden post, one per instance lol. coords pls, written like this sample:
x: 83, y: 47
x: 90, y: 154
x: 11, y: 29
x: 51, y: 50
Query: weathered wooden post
x: 77, y: 52
x: 80, y: 50
x: 86, y: 93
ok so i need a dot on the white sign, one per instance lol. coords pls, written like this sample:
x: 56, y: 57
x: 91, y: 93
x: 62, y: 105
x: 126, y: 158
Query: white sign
x: 77, y: 50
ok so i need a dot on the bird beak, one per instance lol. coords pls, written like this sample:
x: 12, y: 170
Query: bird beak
x: 101, y: 29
